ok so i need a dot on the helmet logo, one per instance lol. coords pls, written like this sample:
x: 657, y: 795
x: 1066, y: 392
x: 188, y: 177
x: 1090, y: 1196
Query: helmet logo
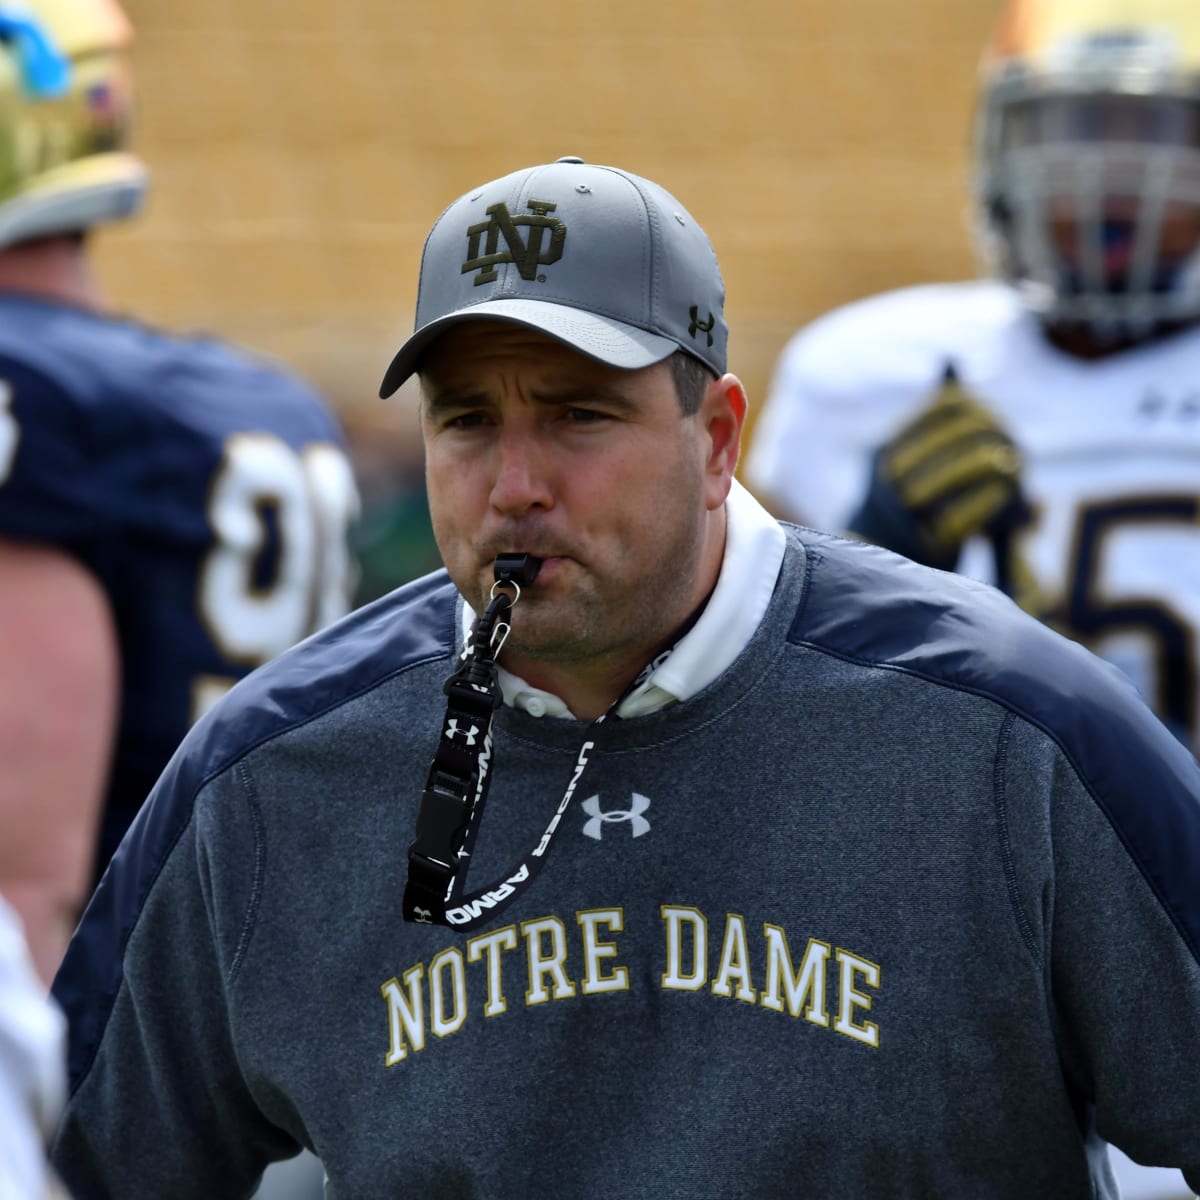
x: 45, y: 70
x: 524, y: 255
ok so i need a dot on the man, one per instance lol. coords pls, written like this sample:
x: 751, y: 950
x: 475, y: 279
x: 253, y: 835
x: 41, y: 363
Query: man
x: 172, y: 511
x: 804, y: 870
x: 1041, y: 429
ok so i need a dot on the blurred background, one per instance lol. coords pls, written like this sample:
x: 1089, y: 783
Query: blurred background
x: 301, y: 150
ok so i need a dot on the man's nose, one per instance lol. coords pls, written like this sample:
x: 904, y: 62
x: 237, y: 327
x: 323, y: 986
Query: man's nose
x: 522, y: 479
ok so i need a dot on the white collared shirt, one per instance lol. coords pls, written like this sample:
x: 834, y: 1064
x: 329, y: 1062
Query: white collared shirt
x: 33, y: 1073
x: 754, y: 544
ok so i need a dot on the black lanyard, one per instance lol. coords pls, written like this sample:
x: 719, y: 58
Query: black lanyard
x: 457, y: 785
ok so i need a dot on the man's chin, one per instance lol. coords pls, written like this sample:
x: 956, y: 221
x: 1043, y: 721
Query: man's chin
x: 546, y: 637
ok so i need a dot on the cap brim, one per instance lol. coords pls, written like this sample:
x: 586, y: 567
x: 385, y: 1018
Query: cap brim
x: 602, y: 338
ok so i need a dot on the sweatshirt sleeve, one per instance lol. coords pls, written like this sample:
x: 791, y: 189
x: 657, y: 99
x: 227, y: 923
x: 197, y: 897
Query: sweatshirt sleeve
x: 159, y: 1103
x: 1105, y: 864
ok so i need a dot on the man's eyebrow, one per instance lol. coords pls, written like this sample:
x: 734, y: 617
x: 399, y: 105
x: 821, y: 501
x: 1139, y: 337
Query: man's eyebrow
x: 574, y: 395
x: 440, y: 399
x: 585, y: 395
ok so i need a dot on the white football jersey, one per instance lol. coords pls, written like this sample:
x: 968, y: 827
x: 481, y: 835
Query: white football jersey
x: 1111, y: 450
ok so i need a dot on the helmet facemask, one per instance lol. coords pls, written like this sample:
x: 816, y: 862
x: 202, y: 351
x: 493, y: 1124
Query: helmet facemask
x: 1088, y: 195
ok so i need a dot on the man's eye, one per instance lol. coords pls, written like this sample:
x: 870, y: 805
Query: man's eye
x: 466, y: 420
x: 585, y: 416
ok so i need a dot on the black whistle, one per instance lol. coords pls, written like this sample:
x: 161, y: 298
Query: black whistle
x: 520, y: 569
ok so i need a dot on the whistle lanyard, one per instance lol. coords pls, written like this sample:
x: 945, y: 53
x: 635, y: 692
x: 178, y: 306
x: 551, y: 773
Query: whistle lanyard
x: 457, y: 785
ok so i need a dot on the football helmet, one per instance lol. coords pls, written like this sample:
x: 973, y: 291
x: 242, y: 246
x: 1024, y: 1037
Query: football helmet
x: 1087, y: 162
x: 65, y: 105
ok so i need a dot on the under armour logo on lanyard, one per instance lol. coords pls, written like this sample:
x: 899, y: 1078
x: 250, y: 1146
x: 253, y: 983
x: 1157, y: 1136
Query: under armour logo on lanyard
x: 453, y: 731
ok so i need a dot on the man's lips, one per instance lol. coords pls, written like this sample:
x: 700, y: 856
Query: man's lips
x: 543, y: 554
x: 550, y: 563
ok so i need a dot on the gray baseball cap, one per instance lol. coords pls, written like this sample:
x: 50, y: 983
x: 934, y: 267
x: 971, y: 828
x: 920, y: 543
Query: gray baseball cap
x: 605, y: 261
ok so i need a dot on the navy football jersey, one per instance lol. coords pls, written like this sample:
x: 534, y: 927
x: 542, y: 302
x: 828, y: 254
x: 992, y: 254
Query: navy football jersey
x: 207, y: 489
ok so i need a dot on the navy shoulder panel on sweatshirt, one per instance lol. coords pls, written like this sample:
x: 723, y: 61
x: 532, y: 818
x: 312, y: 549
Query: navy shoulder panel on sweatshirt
x: 867, y: 605
x: 412, y: 625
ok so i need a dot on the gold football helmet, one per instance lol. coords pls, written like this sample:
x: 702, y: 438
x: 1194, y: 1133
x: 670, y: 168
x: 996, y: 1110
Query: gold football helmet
x: 65, y: 105
x: 1087, y: 161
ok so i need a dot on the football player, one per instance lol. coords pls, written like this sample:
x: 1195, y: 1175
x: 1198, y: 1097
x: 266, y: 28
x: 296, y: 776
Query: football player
x: 1039, y: 429
x: 173, y: 511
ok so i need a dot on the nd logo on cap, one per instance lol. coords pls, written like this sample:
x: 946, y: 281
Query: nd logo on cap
x: 525, y: 255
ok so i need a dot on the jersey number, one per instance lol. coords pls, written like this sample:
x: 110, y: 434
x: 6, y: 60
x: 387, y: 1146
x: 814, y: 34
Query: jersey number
x: 10, y: 431
x: 1089, y: 615
x: 280, y: 568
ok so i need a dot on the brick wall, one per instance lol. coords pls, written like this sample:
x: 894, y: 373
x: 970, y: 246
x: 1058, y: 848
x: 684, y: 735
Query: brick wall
x: 301, y: 150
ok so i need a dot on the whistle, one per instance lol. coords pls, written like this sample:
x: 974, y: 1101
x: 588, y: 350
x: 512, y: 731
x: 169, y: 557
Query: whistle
x: 520, y: 569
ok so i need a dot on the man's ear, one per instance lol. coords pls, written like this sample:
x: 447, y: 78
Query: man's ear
x: 723, y: 415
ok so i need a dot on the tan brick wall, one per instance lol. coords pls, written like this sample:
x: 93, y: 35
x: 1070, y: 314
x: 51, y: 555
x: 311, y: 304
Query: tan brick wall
x: 301, y: 150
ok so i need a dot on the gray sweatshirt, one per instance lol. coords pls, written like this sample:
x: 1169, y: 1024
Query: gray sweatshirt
x: 904, y: 904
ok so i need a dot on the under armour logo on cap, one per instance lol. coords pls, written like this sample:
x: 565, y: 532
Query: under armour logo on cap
x: 696, y: 325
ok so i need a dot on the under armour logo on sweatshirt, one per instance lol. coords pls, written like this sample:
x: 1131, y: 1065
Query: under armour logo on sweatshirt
x: 594, y: 827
